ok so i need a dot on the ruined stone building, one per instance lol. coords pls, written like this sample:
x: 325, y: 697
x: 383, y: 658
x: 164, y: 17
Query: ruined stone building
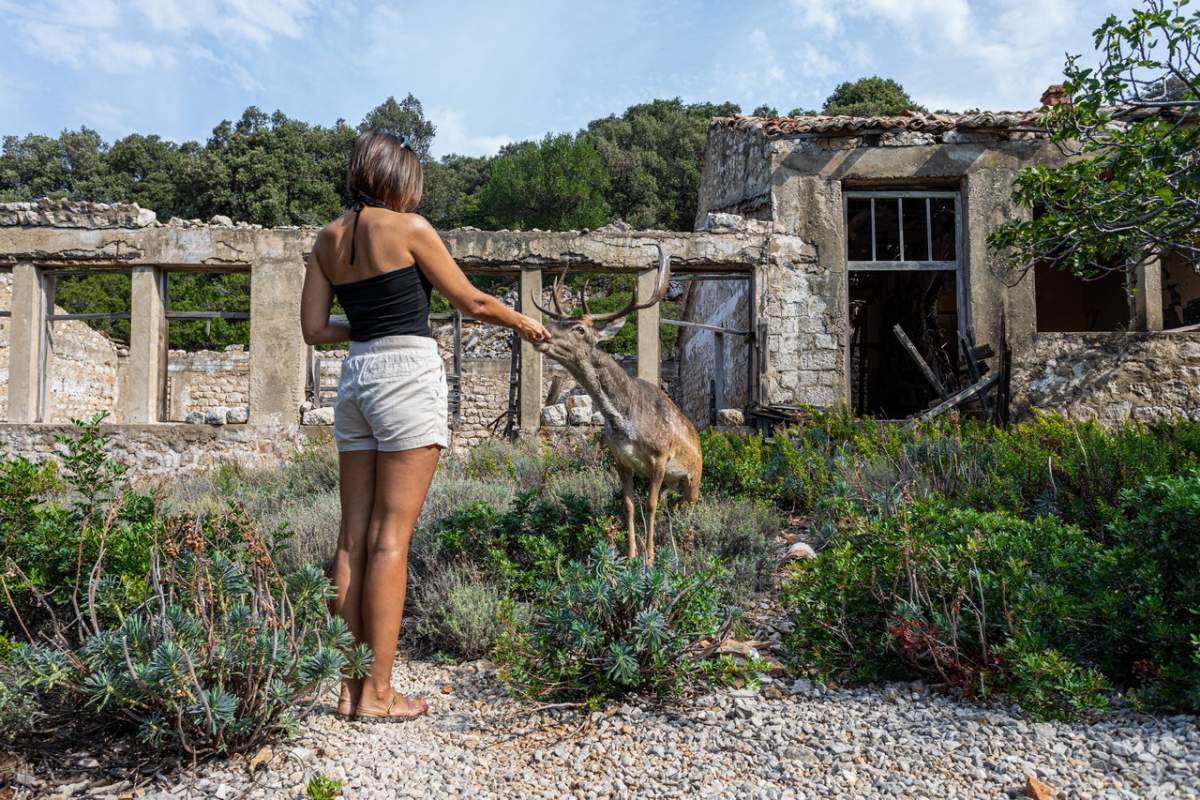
x: 816, y: 237
x: 894, y: 215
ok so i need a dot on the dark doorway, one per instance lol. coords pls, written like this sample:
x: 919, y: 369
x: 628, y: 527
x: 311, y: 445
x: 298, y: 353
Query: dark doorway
x: 885, y: 382
x: 1069, y: 303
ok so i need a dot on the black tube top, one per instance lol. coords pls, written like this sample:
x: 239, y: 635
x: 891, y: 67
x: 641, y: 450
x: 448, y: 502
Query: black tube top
x: 393, y: 303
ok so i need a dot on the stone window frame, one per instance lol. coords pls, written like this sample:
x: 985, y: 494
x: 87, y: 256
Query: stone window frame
x: 49, y: 277
x: 962, y: 294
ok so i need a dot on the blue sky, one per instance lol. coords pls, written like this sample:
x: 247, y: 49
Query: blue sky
x: 492, y: 72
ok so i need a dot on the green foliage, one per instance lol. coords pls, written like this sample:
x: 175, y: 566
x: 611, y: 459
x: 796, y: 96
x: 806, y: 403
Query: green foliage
x: 48, y: 546
x: 224, y: 653
x: 607, y: 627
x: 528, y: 542
x: 555, y: 184
x: 404, y: 118
x: 869, y: 97
x: 739, y: 533
x: 323, y: 787
x: 653, y: 154
x: 1133, y: 189
x: 460, y: 612
x: 1049, y: 561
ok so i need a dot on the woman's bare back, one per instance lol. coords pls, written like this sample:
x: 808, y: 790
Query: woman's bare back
x: 381, y: 245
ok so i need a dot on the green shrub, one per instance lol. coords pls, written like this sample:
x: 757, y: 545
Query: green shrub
x: 48, y: 546
x: 323, y: 787
x: 987, y: 601
x: 609, y: 627
x: 530, y: 540
x: 224, y: 653
x: 459, y: 612
x: 740, y: 533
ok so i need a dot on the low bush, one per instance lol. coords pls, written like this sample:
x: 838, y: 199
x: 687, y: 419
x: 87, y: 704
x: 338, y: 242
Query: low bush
x: 224, y: 653
x: 532, y: 539
x: 986, y: 601
x: 459, y: 612
x: 608, y: 627
x: 740, y: 533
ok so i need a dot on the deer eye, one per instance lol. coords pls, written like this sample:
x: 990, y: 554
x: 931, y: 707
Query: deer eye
x: 579, y: 330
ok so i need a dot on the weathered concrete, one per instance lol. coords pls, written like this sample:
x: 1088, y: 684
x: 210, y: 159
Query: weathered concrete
x: 648, y: 345
x: 27, y: 323
x: 278, y: 354
x: 147, y: 347
x: 531, y: 359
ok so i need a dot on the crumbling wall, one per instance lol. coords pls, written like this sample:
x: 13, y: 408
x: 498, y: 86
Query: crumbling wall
x: 1111, y: 377
x: 736, y: 177
x: 167, y: 450
x: 85, y: 370
x: 205, y: 379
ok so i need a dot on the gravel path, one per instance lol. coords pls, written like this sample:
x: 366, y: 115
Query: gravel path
x: 792, y: 740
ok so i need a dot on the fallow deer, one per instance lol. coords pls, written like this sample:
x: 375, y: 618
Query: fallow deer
x: 648, y: 435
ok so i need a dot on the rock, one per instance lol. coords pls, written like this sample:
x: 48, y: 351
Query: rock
x: 261, y: 758
x: 222, y: 220
x: 1036, y: 790
x: 801, y: 550
x: 730, y: 417
x: 597, y: 418
x: 216, y: 416
x: 554, y: 415
x: 194, y: 418
x: 318, y: 416
x: 580, y: 402
x: 237, y: 416
x: 306, y: 406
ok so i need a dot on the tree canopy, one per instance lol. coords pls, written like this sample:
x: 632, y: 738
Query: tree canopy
x: 1132, y: 186
x: 869, y: 97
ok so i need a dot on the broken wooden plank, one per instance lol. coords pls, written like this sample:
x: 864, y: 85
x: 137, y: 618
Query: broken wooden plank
x: 926, y: 370
x: 958, y: 397
x: 968, y: 348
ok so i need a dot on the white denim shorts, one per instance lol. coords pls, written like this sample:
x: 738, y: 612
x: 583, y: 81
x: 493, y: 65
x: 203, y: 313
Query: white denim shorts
x: 392, y: 396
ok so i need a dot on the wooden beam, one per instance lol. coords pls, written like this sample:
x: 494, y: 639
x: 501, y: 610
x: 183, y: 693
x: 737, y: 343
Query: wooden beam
x: 926, y: 370
x: 958, y: 397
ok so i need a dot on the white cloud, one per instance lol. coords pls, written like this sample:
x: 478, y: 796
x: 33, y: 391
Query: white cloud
x: 820, y: 14
x: 258, y: 22
x: 453, y: 136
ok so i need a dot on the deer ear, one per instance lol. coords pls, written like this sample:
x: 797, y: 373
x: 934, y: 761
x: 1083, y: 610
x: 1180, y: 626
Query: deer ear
x: 611, y: 329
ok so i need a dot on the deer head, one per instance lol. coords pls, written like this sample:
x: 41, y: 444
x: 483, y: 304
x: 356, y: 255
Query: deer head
x: 574, y: 340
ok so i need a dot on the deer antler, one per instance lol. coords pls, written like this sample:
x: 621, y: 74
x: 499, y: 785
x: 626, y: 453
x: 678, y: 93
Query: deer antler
x: 660, y: 289
x: 556, y: 297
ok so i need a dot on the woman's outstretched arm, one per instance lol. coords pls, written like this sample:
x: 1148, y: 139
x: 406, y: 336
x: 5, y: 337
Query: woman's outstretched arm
x: 315, y: 302
x: 435, y: 261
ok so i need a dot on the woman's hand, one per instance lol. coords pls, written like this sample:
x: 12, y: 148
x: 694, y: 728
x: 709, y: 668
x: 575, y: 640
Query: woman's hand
x: 531, y: 330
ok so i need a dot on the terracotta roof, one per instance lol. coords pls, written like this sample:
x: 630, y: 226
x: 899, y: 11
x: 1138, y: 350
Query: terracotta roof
x: 772, y: 127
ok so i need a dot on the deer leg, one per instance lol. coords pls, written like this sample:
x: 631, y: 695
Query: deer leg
x: 627, y: 491
x: 658, y: 471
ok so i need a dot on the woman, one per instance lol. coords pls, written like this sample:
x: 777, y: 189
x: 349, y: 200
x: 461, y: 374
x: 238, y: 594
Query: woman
x: 380, y: 260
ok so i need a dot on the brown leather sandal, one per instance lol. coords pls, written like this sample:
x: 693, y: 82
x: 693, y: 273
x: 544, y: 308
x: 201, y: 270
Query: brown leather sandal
x: 389, y: 717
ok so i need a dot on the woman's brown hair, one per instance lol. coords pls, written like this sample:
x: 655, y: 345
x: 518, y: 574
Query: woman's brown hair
x: 384, y: 168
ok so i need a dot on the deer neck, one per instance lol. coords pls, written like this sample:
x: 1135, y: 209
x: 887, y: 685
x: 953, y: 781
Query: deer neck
x: 609, y: 385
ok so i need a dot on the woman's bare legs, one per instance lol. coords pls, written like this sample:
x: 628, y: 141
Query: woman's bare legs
x: 401, y: 482
x: 356, y: 480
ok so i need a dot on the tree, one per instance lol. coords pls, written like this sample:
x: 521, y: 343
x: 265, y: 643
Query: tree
x: 765, y: 111
x: 407, y: 119
x: 555, y: 184
x: 450, y: 199
x: 653, y: 154
x: 1132, y: 186
x: 869, y: 97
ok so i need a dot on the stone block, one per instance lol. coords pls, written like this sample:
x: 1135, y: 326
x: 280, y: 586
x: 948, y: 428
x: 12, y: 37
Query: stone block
x: 580, y: 402
x: 237, y: 416
x: 554, y: 415
x: 216, y: 415
x: 730, y: 417
x: 597, y: 418
x: 194, y: 418
x: 318, y: 416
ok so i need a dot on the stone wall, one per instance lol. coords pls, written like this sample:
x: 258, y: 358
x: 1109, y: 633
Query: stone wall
x: 206, y: 379
x: 1111, y: 377
x: 168, y: 449
x: 85, y: 371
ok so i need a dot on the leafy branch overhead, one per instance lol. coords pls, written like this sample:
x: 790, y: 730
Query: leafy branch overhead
x: 1130, y: 188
